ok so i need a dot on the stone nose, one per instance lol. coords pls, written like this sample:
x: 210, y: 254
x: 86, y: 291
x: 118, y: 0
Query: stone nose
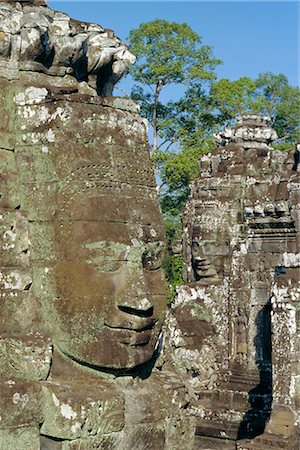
x: 134, y: 294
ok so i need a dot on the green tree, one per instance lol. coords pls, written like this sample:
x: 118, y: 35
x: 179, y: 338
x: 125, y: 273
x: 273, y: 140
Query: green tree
x: 172, y: 54
x: 177, y: 169
x: 200, y: 113
x: 232, y: 98
x: 276, y: 98
x: 192, y: 124
x: 167, y: 53
x: 269, y: 94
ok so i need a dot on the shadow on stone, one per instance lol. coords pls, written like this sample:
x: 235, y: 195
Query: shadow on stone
x: 50, y: 443
x: 260, y: 397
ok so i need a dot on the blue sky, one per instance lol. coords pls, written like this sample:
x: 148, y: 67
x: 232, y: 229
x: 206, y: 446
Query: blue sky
x: 250, y: 37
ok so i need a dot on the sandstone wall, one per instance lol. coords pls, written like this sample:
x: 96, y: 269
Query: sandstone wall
x: 82, y: 293
x: 88, y: 359
x: 234, y: 327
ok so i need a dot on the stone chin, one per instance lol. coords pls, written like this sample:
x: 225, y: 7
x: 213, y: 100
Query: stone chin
x: 106, y: 351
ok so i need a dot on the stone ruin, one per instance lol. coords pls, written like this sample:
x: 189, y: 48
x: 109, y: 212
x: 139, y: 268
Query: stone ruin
x: 36, y: 39
x: 234, y: 330
x: 82, y: 293
x: 89, y: 357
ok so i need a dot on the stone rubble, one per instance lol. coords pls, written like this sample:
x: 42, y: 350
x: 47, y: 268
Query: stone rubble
x: 35, y: 38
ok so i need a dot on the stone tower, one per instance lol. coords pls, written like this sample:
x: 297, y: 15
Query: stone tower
x: 235, y: 324
x: 82, y: 292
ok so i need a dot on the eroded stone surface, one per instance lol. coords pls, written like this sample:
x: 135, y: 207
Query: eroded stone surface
x: 84, y: 364
x: 82, y: 292
x: 233, y: 331
x: 34, y: 38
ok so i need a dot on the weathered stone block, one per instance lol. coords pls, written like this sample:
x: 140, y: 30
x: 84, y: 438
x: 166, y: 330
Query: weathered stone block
x: 14, y: 239
x: 20, y: 311
x: 25, y: 357
x: 24, y: 438
x: 258, y: 281
x: 71, y: 413
x: 21, y: 402
x: 9, y: 181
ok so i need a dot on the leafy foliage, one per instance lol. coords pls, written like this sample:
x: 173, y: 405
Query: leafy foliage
x: 177, y: 170
x: 173, y: 267
x: 281, y: 102
x: 170, y: 53
x: 167, y: 53
x: 173, y: 262
x: 269, y: 95
x: 232, y: 98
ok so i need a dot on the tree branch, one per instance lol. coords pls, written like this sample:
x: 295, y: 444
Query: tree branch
x: 158, y: 89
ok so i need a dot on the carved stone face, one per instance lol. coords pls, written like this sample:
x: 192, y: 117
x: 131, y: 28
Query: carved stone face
x: 96, y: 233
x: 109, y: 286
x: 203, y: 259
x: 208, y: 255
